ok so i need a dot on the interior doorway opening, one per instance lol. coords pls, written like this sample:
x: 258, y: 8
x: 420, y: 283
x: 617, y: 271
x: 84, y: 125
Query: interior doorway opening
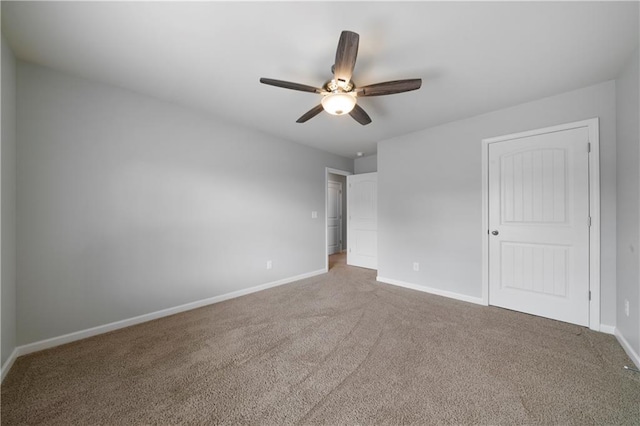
x: 335, y: 216
x: 336, y: 235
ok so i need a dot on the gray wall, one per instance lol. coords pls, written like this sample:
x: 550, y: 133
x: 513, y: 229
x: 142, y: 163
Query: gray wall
x: 128, y: 205
x: 627, y: 117
x: 343, y: 181
x: 430, y: 196
x: 368, y: 164
x: 8, y: 202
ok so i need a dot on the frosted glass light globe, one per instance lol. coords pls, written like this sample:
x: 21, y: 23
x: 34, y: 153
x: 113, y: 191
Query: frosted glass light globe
x: 338, y: 103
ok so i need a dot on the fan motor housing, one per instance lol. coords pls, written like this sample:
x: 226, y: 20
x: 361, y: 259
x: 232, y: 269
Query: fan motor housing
x: 339, y: 86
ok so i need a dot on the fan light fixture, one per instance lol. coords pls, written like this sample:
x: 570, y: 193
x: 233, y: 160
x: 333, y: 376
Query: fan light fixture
x: 339, y: 93
x: 338, y: 103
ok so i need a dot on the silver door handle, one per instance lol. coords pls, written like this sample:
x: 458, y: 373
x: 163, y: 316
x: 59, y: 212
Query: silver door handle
x: 494, y: 232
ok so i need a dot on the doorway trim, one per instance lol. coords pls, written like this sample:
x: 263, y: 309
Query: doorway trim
x: 594, y: 209
x: 328, y: 170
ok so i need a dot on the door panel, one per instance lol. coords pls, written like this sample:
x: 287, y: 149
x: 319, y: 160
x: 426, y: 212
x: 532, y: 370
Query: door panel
x: 530, y: 194
x: 539, y: 208
x: 362, y: 222
x: 538, y: 268
x: 334, y: 217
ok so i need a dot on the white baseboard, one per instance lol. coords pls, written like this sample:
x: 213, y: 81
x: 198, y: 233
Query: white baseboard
x: 627, y: 348
x: 101, y: 329
x: 608, y: 329
x: 8, y: 364
x: 436, y: 291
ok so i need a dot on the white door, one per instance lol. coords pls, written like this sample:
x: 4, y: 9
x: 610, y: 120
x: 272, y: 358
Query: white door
x: 334, y: 217
x: 362, y: 222
x: 539, y: 225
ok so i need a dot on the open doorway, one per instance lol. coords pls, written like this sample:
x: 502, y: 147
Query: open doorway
x: 335, y: 216
x: 335, y: 235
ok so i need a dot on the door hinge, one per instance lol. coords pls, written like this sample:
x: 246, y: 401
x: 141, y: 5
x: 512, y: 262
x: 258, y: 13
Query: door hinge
x: 589, y: 221
x: 589, y: 294
x: 589, y: 147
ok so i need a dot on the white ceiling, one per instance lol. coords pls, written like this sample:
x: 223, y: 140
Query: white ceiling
x: 473, y: 57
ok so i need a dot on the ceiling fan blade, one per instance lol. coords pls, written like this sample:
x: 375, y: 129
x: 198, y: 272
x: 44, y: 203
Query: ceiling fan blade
x: 346, y: 56
x: 310, y: 114
x: 360, y: 115
x: 290, y: 85
x: 390, y: 87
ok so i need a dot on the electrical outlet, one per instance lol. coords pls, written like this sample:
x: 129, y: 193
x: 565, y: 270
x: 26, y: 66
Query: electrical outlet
x: 416, y: 266
x: 314, y: 215
x: 626, y: 307
x: 269, y: 264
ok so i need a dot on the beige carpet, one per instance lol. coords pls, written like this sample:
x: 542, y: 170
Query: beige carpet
x: 334, y: 349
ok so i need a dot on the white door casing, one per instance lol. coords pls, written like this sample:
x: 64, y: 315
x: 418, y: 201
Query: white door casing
x: 362, y: 220
x: 334, y: 217
x: 540, y: 223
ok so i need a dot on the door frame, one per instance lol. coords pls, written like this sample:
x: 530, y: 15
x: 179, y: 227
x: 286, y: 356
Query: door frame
x: 592, y: 126
x: 328, y: 170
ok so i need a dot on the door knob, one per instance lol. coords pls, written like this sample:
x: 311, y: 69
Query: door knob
x: 494, y: 232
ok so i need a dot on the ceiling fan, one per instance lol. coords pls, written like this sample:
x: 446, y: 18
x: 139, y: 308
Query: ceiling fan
x: 339, y: 95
